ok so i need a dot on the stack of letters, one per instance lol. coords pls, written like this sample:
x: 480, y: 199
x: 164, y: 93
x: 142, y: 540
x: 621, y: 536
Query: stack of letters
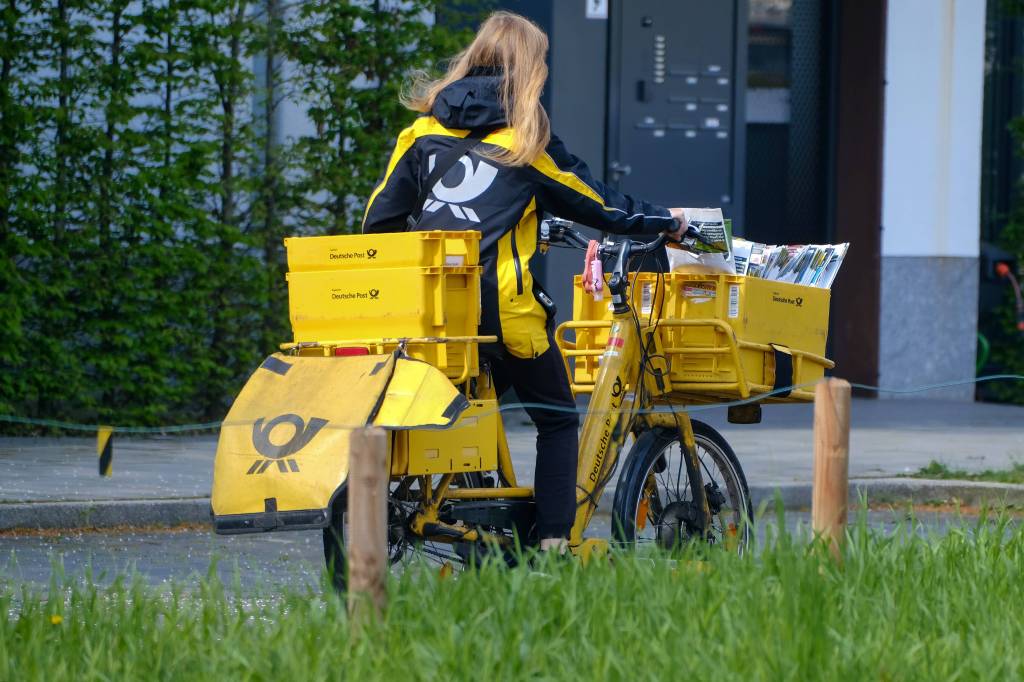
x: 813, y: 265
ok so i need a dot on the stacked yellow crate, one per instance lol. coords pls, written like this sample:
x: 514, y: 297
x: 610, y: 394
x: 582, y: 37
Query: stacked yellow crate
x: 374, y: 290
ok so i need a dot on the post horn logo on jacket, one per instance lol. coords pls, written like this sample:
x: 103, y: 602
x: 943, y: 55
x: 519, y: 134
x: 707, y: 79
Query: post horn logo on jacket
x: 504, y: 203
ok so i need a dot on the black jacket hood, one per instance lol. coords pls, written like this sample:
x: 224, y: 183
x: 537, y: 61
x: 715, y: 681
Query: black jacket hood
x: 469, y: 103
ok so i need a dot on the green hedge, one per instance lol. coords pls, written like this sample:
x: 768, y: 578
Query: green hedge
x: 1000, y: 328
x: 143, y: 203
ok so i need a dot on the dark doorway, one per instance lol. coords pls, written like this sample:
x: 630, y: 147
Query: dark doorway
x: 788, y: 120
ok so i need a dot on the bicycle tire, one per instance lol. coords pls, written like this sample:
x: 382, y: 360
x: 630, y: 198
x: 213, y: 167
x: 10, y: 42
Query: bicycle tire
x: 652, y: 444
x: 334, y: 533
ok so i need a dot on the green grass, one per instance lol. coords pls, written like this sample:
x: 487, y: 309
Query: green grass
x: 900, y: 607
x: 1015, y: 474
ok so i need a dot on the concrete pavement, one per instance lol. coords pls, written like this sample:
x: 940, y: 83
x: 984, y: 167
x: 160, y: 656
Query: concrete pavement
x: 267, y: 564
x: 160, y: 479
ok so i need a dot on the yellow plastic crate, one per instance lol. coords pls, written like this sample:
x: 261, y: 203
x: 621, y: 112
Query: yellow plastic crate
x: 470, y: 445
x: 646, y: 295
x: 754, y: 319
x: 384, y: 303
x: 391, y: 303
x: 392, y: 250
x: 722, y: 335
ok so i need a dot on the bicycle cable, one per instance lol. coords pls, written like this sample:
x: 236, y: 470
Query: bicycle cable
x: 640, y: 388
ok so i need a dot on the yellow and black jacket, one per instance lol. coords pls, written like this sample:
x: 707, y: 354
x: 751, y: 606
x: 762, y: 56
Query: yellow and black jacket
x: 504, y: 203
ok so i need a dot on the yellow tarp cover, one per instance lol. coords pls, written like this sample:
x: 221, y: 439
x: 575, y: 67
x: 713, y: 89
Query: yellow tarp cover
x: 419, y: 396
x: 286, y: 436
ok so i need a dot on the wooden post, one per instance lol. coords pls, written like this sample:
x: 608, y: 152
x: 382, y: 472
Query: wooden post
x: 367, y: 524
x: 831, y: 461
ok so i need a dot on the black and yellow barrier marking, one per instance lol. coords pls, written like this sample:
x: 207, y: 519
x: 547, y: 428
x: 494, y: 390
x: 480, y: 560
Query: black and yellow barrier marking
x: 105, y: 449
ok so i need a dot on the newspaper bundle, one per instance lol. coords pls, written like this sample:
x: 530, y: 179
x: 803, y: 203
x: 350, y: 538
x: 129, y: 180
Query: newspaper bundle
x: 814, y: 265
x: 715, y: 255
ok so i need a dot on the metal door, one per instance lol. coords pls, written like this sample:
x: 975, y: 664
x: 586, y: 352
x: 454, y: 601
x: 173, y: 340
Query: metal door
x: 673, y: 123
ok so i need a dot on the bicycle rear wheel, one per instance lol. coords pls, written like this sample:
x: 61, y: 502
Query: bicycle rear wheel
x: 654, y: 499
x: 403, y: 500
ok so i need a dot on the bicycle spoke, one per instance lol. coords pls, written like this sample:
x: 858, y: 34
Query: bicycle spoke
x: 674, y: 488
x: 679, y: 471
x: 436, y: 553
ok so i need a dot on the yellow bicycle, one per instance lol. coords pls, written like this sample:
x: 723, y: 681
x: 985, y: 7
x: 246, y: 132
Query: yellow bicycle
x: 679, y: 481
x: 454, y: 493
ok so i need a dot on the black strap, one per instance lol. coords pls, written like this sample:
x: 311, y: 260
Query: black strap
x: 442, y: 166
x: 783, y: 371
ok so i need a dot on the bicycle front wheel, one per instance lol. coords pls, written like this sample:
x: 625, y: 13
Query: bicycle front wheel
x: 654, y: 499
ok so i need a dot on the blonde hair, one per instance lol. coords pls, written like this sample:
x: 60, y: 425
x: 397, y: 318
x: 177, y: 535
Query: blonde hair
x: 515, y: 48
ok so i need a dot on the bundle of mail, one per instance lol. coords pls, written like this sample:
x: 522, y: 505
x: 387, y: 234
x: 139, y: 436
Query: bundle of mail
x: 814, y: 265
x: 712, y: 253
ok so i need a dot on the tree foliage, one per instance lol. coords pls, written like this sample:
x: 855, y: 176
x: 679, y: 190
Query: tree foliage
x: 1000, y: 328
x: 146, y: 186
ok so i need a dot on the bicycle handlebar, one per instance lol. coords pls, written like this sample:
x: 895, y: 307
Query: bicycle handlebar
x: 559, y: 231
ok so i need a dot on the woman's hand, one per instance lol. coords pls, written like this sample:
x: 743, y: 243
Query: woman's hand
x: 680, y: 215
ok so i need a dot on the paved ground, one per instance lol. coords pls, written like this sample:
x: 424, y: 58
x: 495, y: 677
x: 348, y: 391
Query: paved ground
x: 259, y: 563
x: 888, y: 438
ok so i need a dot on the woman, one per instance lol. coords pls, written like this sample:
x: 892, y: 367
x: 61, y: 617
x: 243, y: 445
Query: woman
x: 484, y: 150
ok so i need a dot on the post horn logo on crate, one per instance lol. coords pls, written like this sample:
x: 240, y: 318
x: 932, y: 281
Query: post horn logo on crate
x: 303, y: 434
x: 474, y: 182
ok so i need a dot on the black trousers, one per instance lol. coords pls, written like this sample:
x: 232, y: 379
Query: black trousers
x: 541, y: 383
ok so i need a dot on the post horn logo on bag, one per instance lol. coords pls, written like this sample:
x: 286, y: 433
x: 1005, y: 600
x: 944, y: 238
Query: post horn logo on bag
x: 301, y: 437
x: 475, y: 181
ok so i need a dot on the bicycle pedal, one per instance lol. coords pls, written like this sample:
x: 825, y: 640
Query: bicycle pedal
x: 589, y: 549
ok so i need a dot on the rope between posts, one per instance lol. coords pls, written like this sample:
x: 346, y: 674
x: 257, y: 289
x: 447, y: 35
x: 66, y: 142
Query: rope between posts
x: 657, y: 409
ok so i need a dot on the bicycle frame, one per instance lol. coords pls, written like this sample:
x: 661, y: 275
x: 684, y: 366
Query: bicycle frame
x: 614, y: 409
x: 616, y: 404
x: 613, y: 414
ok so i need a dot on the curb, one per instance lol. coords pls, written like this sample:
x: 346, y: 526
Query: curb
x: 898, y: 491
x: 104, y: 513
x: 196, y: 510
x: 797, y: 496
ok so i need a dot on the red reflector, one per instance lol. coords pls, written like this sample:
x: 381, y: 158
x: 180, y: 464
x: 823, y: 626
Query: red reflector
x: 350, y: 351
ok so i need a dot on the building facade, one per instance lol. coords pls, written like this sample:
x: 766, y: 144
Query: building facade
x: 807, y: 121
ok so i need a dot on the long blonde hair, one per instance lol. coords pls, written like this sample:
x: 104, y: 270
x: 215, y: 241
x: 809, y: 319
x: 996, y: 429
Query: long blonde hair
x: 514, y: 47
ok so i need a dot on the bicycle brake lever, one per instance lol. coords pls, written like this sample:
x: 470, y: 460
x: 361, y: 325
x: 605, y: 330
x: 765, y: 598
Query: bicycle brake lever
x: 544, y: 238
